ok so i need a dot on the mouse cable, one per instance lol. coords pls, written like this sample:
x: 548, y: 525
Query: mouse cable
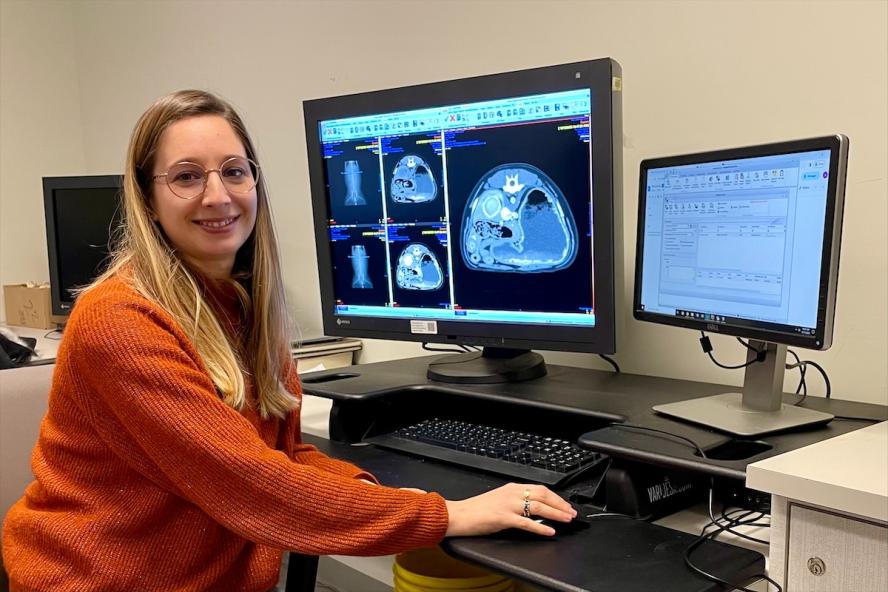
x: 655, y: 430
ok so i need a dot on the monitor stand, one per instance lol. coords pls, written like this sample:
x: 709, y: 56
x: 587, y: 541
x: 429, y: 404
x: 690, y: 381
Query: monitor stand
x: 491, y: 365
x: 758, y: 410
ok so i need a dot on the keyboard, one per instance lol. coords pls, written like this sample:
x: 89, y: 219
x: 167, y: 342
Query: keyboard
x: 519, y: 455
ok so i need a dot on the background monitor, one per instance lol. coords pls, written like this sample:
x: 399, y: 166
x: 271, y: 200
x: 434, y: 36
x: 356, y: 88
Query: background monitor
x: 81, y: 213
x: 744, y: 242
x: 483, y: 211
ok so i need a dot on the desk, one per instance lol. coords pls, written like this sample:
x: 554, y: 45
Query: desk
x: 590, y: 400
x: 362, y: 395
x: 46, y: 347
x: 615, y: 554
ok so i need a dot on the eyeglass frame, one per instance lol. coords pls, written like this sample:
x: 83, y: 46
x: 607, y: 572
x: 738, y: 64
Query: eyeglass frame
x: 206, y: 176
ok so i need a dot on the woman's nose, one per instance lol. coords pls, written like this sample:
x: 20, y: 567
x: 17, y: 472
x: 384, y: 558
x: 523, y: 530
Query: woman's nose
x: 215, y: 193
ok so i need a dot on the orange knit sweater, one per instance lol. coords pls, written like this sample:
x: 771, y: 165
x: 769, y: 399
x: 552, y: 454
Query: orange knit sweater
x: 145, y: 480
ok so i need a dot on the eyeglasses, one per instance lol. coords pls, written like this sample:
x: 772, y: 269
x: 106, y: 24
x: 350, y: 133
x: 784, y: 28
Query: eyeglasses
x: 188, y: 180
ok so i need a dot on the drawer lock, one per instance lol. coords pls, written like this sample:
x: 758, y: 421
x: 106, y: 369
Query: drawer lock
x: 816, y: 566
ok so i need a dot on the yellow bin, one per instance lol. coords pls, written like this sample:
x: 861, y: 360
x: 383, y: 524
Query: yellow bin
x: 432, y: 570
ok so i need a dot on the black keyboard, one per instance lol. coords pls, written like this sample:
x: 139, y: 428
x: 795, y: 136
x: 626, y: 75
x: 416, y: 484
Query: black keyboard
x: 519, y: 455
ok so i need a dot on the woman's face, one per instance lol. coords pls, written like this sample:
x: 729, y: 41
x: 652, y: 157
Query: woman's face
x: 208, y: 230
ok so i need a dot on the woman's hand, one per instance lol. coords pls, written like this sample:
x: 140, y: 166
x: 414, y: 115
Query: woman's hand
x: 505, y: 508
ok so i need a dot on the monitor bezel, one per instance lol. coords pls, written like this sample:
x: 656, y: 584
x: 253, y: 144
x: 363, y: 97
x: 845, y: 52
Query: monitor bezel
x: 832, y: 239
x: 602, y: 77
x: 61, y: 306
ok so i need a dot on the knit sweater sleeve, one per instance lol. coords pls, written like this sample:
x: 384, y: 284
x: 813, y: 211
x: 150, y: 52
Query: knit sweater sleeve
x: 144, y: 388
x: 306, y: 453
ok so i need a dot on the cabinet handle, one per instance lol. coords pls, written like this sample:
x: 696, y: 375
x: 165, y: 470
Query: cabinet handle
x: 816, y: 566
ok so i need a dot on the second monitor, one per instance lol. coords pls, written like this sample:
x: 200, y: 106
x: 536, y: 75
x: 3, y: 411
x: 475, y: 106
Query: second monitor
x: 483, y: 211
x: 745, y: 242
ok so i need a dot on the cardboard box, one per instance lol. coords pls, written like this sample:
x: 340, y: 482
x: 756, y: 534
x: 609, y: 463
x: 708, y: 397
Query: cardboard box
x: 28, y: 305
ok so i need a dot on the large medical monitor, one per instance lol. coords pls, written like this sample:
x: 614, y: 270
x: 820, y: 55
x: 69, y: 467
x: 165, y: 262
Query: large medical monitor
x: 483, y: 211
x: 81, y: 214
x: 744, y: 242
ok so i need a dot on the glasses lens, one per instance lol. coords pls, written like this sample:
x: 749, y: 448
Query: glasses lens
x: 239, y: 174
x: 186, y: 180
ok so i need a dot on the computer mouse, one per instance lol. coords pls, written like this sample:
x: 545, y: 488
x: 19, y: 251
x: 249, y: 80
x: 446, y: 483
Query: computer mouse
x: 575, y: 525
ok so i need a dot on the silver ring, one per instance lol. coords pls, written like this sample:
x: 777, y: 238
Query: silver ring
x: 526, y: 508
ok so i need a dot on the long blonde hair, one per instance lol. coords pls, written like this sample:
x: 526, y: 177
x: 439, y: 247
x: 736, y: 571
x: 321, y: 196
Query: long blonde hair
x: 144, y: 257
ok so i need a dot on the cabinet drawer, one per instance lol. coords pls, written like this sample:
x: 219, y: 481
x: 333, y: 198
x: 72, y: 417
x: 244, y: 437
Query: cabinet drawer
x: 849, y: 554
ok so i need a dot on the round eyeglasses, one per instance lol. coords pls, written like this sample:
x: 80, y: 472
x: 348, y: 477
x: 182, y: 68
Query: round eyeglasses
x: 188, y: 180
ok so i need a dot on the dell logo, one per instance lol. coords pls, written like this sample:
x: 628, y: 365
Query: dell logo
x: 711, y: 327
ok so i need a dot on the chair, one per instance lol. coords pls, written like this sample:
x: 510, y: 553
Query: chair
x: 24, y: 393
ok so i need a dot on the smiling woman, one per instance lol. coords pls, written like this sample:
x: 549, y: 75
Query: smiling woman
x: 170, y: 457
x: 207, y: 217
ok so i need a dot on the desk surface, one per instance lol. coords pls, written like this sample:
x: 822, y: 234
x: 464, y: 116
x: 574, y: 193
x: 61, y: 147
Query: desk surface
x: 47, y: 342
x: 819, y: 473
x: 613, y: 554
x: 597, y: 397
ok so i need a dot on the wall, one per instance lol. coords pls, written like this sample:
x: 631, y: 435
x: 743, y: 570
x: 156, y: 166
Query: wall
x: 697, y: 76
x: 40, y: 127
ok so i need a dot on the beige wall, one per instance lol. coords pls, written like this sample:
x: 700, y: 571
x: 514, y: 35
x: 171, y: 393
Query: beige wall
x: 697, y: 75
x: 40, y: 127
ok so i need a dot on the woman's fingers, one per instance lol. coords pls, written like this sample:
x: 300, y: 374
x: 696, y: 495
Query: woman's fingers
x: 514, y: 505
x: 543, y: 502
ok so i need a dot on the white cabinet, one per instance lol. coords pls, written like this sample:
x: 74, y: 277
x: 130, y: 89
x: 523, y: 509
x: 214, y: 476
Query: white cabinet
x: 829, y: 552
x: 829, y: 513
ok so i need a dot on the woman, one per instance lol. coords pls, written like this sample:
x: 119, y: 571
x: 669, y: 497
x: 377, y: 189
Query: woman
x: 170, y: 456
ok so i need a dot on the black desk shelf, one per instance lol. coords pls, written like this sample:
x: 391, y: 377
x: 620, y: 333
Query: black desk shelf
x: 596, y: 397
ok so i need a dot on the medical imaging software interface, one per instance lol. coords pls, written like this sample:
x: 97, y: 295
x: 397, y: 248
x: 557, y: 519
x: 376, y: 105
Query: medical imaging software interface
x: 737, y: 242
x: 471, y: 212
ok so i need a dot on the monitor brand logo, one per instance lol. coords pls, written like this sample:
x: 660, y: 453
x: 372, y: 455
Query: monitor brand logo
x: 712, y: 327
x: 342, y: 322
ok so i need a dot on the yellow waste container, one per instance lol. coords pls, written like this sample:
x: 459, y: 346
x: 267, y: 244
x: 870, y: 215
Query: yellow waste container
x: 432, y: 570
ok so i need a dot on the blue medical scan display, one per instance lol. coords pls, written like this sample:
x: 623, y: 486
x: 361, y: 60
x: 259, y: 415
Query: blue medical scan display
x: 419, y: 269
x: 476, y: 211
x: 413, y: 181
x: 516, y: 220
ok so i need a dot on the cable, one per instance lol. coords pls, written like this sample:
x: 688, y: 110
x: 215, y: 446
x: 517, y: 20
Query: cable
x: 719, y: 528
x: 645, y: 428
x: 610, y: 361
x: 709, y: 537
x: 707, y: 349
x: 822, y: 373
x: 803, y: 387
x: 852, y: 418
x: 425, y: 346
x: 48, y: 333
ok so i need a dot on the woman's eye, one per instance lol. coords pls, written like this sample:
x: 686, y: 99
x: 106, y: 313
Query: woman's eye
x: 186, y: 177
x: 235, y: 173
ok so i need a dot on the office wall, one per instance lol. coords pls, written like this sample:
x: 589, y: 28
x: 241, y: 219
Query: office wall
x: 697, y: 75
x: 40, y: 127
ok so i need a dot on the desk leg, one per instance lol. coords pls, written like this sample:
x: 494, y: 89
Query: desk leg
x: 302, y: 571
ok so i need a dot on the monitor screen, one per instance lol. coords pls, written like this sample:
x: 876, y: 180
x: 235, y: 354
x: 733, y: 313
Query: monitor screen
x: 81, y: 213
x: 743, y: 242
x: 478, y: 211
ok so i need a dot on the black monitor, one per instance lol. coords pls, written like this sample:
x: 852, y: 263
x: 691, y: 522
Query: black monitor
x: 745, y: 242
x: 483, y: 211
x: 81, y: 214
